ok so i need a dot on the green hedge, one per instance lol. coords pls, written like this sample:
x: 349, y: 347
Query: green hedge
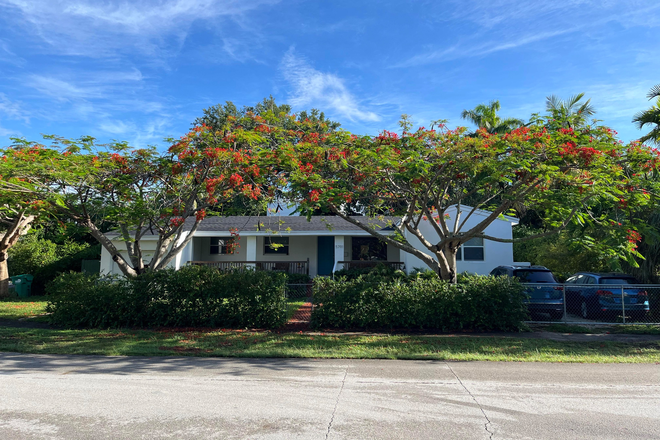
x: 194, y: 296
x: 45, y: 259
x: 476, y: 303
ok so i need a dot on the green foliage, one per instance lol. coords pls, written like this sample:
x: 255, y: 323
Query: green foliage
x: 380, y: 272
x: 650, y: 117
x: 485, y: 117
x: 194, y: 296
x: 475, y: 303
x: 45, y: 259
x: 297, y: 278
x: 560, y: 253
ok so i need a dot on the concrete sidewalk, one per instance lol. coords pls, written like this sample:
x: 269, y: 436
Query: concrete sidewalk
x: 76, y: 397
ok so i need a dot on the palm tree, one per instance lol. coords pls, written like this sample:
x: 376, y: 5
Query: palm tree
x: 485, y: 116
x: 651, y: 117
x: 570, y: 113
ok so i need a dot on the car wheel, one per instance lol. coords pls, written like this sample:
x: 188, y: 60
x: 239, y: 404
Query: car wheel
x: 585, y: 310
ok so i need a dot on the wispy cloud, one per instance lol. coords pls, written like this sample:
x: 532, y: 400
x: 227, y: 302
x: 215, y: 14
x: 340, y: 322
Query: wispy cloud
x: 508, y: 24
x: 457, y: 51
x: 97, y: 29
x: 85, y: 85
x: 326, y: 90
x: 13, y: 110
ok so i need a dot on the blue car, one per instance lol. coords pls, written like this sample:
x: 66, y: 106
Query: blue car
x: 544, y: 294
x: 598, y: 295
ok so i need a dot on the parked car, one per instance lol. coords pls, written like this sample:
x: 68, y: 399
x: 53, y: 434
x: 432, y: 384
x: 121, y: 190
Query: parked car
x: 598, y: 295
x: 540, y: 298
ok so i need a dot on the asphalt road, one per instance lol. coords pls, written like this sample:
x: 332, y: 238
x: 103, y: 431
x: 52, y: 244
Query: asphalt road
x: 86, y: 397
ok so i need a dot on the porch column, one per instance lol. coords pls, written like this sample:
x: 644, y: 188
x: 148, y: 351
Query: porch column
x: 251, y: 249
x: 339, y: 251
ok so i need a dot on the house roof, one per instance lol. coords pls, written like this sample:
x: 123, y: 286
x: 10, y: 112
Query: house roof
x: 286, y: 223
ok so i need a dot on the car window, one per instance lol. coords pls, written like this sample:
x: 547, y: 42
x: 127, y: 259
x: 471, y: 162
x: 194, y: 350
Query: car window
x: 571, y: 280
x: 589, y: 280
x: 496, y: 272
x: 534, y: 276
x: 617, y: 281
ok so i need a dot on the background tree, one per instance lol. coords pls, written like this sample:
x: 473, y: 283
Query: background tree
x: 485, y: 117
x: 650, y: 117
x: 570, y: 113
x: 426, y: 174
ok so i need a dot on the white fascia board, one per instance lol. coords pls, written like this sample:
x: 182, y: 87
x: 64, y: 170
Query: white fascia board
x: 287, y: 234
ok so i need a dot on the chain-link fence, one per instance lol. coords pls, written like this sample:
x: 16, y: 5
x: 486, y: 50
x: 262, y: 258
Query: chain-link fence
x: 294, y: 291
x: 594, y: 303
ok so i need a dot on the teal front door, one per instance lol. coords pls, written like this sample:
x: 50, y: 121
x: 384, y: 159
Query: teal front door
x: 326, y: 255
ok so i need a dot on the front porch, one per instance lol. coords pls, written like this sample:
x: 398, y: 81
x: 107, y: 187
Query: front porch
x: 295, y: 253
x: 292, y: 267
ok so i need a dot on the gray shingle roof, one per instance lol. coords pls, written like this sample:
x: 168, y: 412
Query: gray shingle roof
x: 282, y: 223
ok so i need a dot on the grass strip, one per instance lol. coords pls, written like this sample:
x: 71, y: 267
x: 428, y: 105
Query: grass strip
x: 219, y: 343
x: 32, y: 307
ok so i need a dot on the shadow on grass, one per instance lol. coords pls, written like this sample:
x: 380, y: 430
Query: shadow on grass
x: 245, y: 344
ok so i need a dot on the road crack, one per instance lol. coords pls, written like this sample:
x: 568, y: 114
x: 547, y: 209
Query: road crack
x: 332, y: 418
x: 488, y: 423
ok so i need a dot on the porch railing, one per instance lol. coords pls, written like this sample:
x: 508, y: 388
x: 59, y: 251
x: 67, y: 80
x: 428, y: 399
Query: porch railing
x: 364, y: 264
x: 299, y: 267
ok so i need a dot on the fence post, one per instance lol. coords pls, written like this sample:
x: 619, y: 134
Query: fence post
x: 563, y: 292
x: 623, y: 305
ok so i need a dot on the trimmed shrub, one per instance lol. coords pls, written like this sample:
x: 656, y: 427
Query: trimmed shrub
x: 194, y: 296
x: 476, y: 303
x: 45, y: 259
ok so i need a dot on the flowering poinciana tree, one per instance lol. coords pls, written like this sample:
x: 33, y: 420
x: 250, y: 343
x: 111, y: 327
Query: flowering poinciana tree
x: 425, y: 174
x: 139, y: 190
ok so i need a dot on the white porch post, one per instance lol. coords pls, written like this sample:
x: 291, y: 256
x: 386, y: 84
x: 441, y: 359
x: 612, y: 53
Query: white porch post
x: 339, y: 251
x: 251, y: 249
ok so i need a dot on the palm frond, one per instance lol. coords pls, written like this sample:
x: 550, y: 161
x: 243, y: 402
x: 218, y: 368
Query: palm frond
x: 573, y: 100
x: 552, y: 102
x: 654, y: 92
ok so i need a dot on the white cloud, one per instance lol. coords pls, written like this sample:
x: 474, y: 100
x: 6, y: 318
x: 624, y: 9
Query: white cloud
x: 117, y: 127
x: 12, y: 110
x: 95, y: 28
x: 456, y: 52
x: 507, y: 24
x: 324, y: 90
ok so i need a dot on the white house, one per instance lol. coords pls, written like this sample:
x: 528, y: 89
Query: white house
x: 319, y: 246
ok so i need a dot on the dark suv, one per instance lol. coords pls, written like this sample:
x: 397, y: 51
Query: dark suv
x: 540, y: 298
x: 593, y: 295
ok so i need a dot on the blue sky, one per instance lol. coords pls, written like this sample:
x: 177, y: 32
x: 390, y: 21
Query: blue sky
x: 141, y: 71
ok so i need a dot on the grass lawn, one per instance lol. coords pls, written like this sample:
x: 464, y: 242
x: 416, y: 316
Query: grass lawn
x: 295, y: 345
x: 632, y: 329
x: 293, y: 305
x: 32, y: 307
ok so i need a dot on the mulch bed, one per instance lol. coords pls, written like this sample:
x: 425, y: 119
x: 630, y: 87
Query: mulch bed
x: 301, y: 319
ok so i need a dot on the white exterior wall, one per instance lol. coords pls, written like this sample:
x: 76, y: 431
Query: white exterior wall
x: 495, y: 253
x: 148, y: 247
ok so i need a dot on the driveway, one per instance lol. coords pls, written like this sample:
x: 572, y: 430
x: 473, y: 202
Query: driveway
x: 85, y: 397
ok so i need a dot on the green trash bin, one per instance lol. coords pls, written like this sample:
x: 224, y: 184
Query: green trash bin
x: 22, y: 285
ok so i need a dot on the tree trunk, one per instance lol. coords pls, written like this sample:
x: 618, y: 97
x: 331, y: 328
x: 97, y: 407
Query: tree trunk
x: 20, y: 225
x: 4, y: 275
x: 448, y: 271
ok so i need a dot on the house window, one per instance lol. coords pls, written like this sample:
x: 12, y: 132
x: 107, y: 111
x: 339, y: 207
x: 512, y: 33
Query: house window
x: 368, y: 249
x: 471, y: 250
x: 276, y: 245
x: 220, y: 245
